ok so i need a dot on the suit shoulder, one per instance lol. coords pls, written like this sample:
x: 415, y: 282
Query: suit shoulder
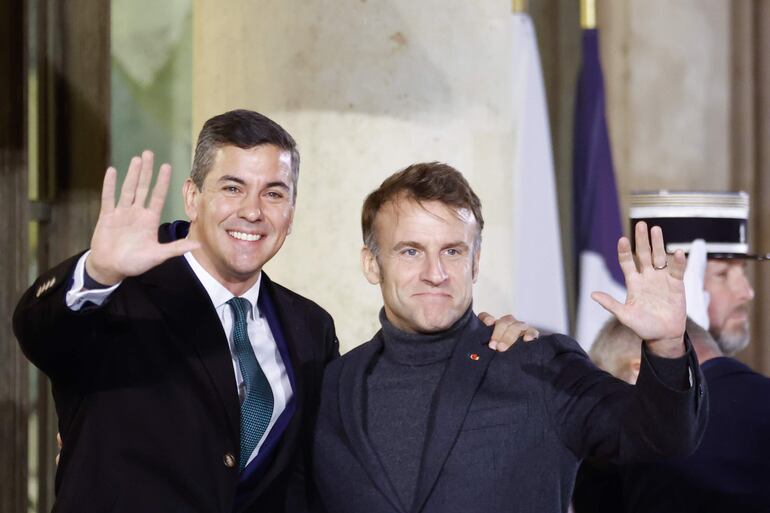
x: 300, y: 300
x: 294, y: 296
x: 564, y: 341
x: 546, y: 346
x: 359, y: 355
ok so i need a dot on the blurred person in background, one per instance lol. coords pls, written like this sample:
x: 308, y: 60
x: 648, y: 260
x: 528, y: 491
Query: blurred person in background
x: 730, y: 470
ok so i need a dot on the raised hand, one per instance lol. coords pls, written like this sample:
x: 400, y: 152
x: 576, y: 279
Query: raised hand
x: 125, y: 240
x: 655, y: 300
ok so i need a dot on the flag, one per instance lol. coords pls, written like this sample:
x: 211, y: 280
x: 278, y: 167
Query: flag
x: 539, y: 292
x: 596, y: 214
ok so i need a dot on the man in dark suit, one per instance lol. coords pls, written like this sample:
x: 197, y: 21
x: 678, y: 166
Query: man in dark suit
x: 184, y: 378
x: 425, y: 418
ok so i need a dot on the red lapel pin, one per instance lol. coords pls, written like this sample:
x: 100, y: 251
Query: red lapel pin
x: 474, y: 357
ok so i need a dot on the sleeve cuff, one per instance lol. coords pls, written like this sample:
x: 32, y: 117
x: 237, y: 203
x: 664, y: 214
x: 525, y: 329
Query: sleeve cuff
x: 82, y: 291
x: 676, y: 373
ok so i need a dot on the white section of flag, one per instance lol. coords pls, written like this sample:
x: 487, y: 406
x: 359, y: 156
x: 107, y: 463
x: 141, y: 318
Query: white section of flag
x: 539, y: 292
x: 594, y: 276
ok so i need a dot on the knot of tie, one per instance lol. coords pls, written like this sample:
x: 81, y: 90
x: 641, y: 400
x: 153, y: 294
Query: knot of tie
x: 241, y: 307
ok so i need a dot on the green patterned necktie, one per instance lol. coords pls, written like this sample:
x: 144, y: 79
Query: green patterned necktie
x: 257, y: 406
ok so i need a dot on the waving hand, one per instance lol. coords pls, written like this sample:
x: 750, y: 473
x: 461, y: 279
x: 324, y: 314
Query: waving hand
x: 125, y: 240
x: 655, y: 300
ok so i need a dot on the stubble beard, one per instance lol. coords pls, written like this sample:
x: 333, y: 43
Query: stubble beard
x: 731, y: 341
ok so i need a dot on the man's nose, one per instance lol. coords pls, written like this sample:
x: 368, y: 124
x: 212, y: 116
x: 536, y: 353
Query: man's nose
x: 433, y: 271
x: 745, y: 290
x: 250, y: 209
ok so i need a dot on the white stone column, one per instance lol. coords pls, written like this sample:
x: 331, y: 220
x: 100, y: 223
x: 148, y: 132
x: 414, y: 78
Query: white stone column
x: 366, y: 88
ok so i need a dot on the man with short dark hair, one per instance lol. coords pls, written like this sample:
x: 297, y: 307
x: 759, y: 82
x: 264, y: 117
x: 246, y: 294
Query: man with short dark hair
x: 425, y: 418
x: 184, y: 378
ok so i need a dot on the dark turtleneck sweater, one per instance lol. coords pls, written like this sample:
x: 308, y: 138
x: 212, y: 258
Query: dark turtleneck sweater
x: 400, y: 389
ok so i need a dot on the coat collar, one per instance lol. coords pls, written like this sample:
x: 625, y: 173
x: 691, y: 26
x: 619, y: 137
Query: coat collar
x: 465, y: 371
x: 295, y: 332
x: 351, y: 402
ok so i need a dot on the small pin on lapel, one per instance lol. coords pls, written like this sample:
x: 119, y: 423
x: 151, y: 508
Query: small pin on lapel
x: 474, y: 357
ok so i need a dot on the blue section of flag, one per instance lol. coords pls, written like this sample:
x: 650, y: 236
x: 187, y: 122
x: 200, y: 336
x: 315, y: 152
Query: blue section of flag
x: 596, y: 219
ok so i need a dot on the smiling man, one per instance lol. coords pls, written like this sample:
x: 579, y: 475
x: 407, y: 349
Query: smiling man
x: 426, y: 418
x: 184, y: 378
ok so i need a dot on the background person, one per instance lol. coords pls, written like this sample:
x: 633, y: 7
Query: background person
x: 721, y: 220
x: 730, y: 469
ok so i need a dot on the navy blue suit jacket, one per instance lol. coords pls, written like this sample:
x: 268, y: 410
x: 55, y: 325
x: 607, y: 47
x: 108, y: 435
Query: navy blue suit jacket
x: 730, y: 470
x: 507, y: 430
x: 146, y: 397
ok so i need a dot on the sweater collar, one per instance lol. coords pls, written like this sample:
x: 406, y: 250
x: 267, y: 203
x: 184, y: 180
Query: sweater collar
x: 415, y: 349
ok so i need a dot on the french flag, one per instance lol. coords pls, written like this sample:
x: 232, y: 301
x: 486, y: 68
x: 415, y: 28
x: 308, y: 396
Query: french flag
x: 596, y: 214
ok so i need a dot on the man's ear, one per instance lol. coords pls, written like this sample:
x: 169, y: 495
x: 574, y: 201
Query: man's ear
x: 369, y: 266
x: 475, y: 270
x: 190, y: 195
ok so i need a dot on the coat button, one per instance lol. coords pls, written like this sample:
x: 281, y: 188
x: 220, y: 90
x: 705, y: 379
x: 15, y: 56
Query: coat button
x: 229, y: 460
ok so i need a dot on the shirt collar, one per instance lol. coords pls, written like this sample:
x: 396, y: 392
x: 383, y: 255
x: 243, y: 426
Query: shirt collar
x: 217, y: 292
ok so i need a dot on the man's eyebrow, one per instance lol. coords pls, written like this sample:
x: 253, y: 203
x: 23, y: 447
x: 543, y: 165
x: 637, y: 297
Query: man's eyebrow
x: 231, y: 178
x: 279, y: 183
x: 241, y: 181
x: 408, y: 244
x: 414, y: 244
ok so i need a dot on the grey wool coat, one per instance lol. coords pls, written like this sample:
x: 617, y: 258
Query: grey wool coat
x: 507, y: 431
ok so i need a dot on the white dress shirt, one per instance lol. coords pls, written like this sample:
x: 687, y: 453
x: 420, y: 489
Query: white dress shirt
x: 260, y: 336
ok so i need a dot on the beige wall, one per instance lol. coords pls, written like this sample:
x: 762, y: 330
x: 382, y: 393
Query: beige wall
x: 366, y: 88
x: 667, y: 73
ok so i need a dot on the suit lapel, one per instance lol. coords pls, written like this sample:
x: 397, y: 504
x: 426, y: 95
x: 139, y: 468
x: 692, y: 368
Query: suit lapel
x: 352, y: 390
x: 455, y: 392
x: 174, y: 289
x: 296, y: 334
